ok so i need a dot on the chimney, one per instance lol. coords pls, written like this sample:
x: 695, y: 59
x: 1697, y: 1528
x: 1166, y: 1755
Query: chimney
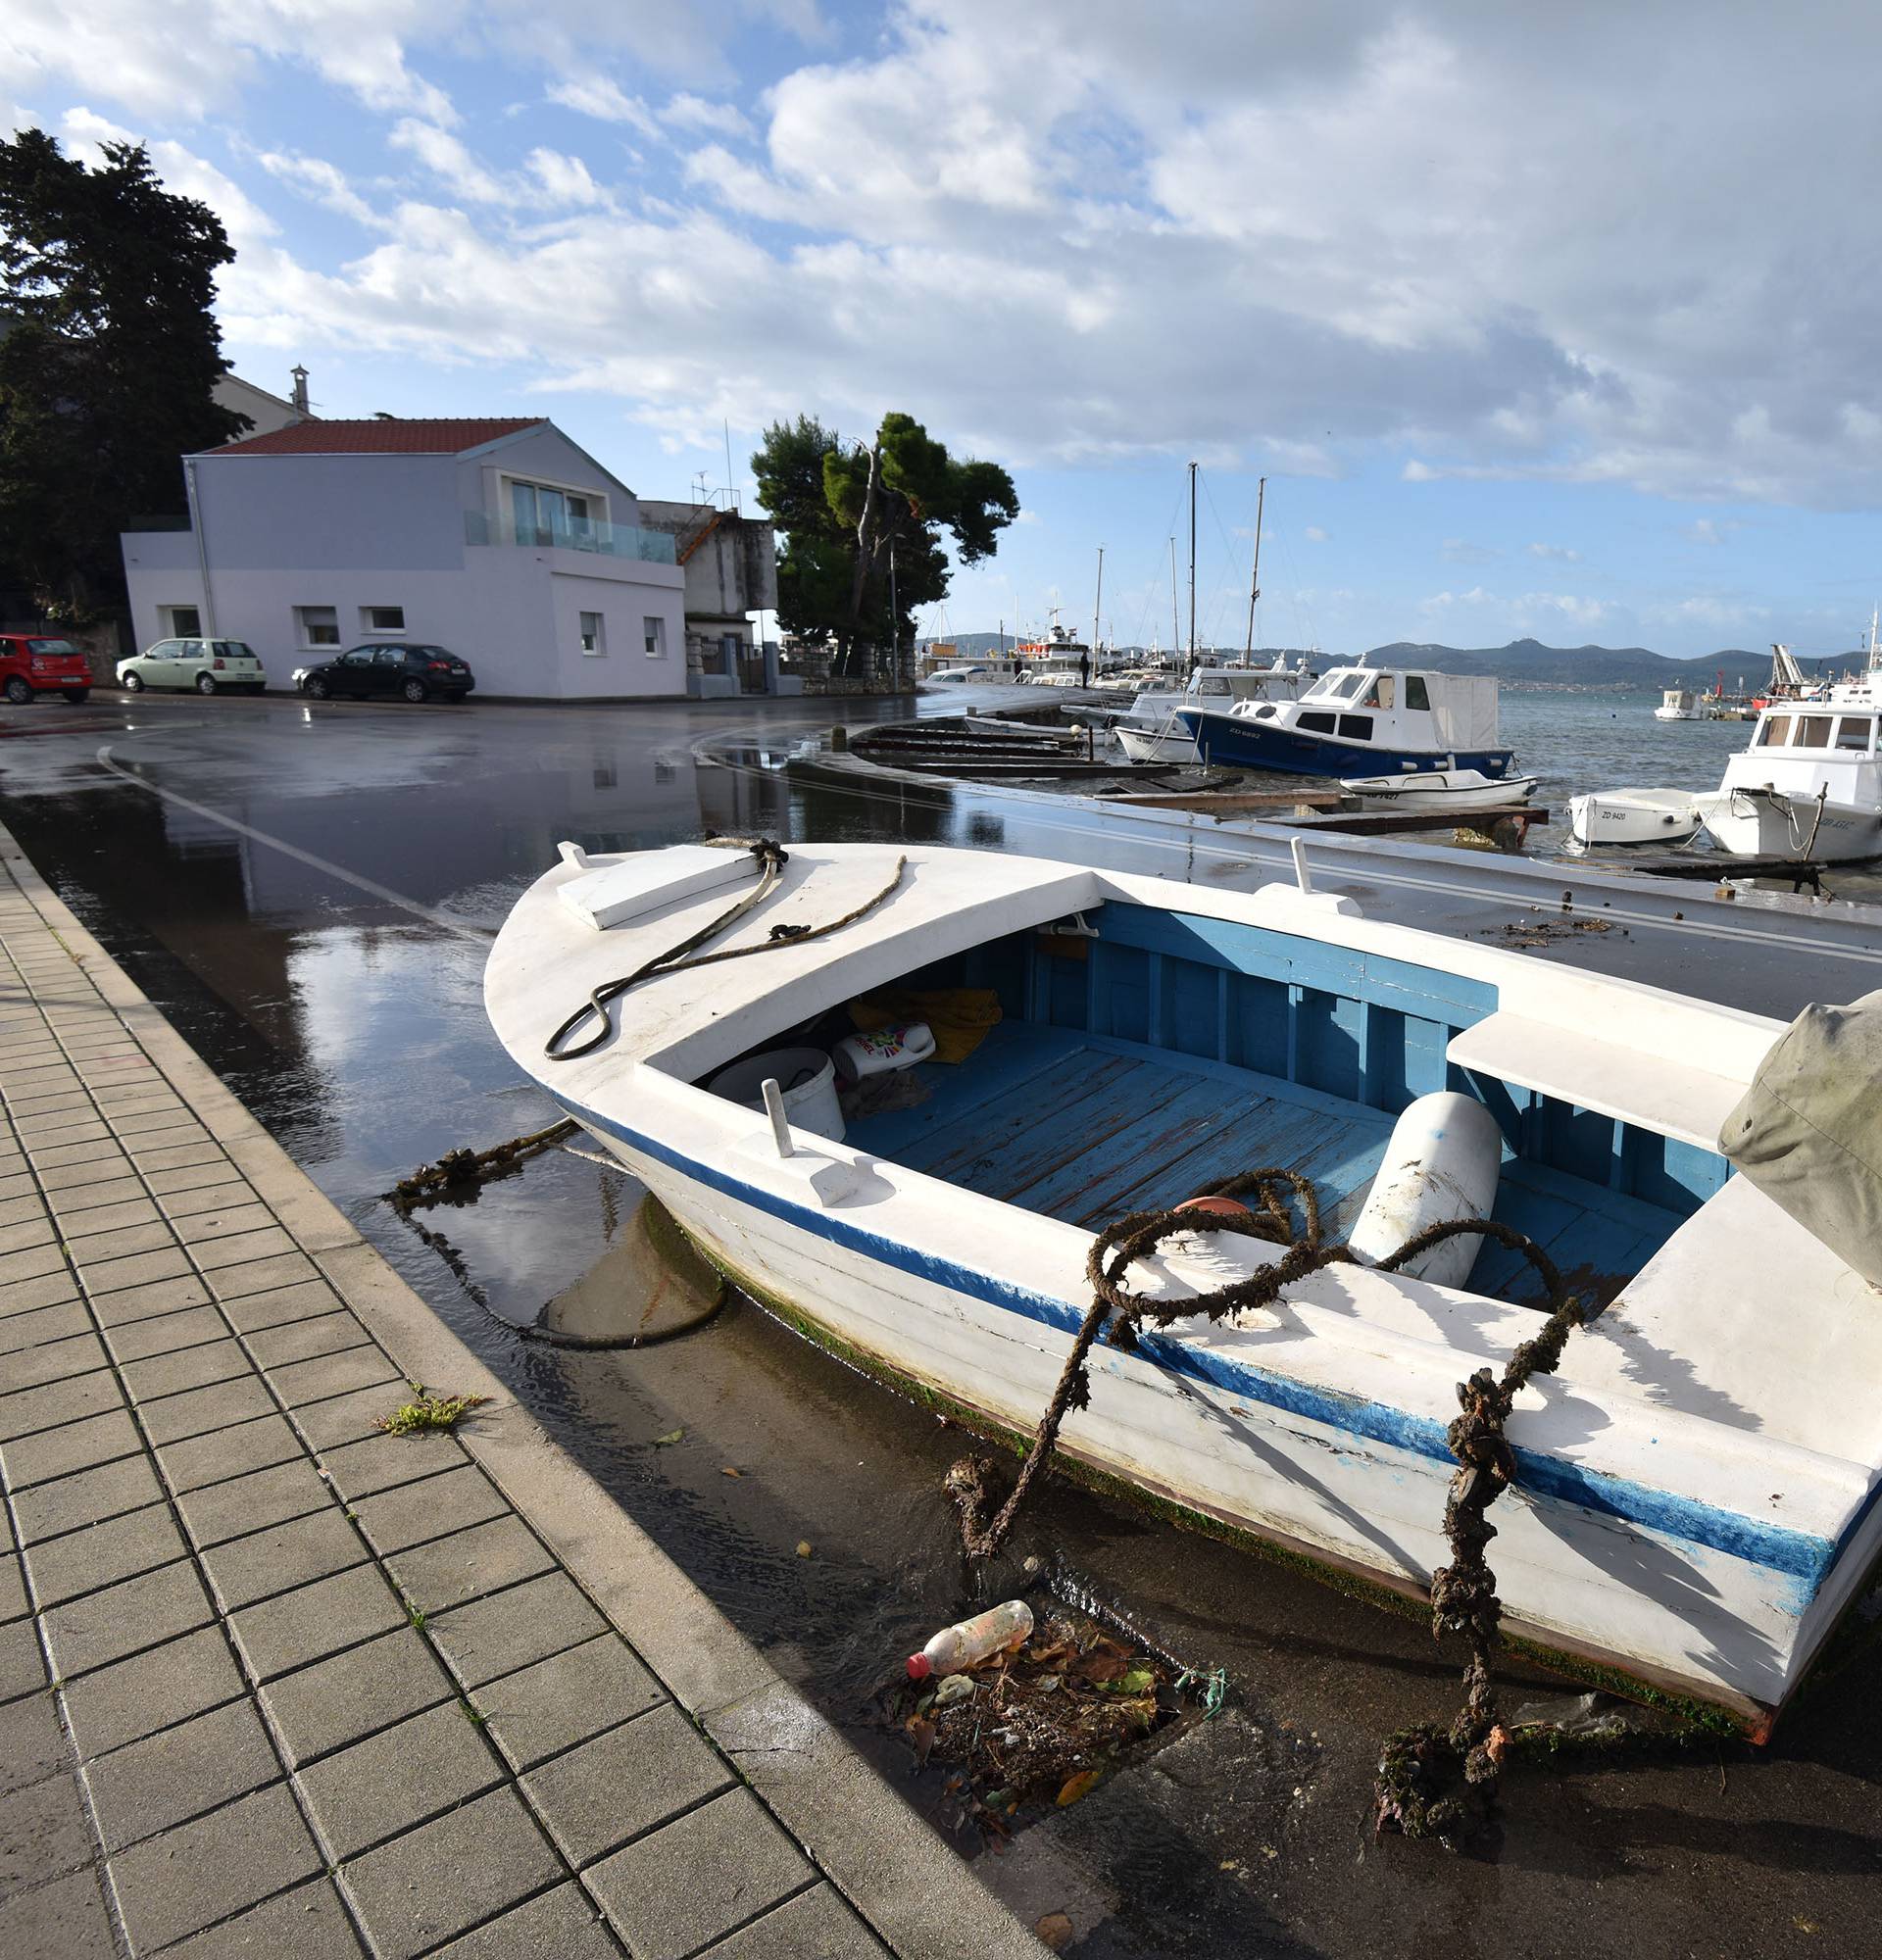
x: 299, y: 396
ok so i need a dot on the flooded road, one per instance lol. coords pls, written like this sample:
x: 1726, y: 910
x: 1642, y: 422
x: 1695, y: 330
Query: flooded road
x: 309, y: 894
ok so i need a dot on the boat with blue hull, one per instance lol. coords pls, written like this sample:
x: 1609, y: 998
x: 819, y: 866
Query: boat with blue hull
x: 1694, y: 1493
x: 1359, y: 721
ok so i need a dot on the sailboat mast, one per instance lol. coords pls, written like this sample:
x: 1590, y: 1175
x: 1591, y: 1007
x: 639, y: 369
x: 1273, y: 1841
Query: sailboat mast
x: 1192, y: 563
x: 1255, y: 580
x: 1097, y: 605
x: 1175, y: 629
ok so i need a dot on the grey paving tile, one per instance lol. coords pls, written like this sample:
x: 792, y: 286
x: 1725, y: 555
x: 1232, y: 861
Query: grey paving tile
x: 163, y: 1375
x: 625, y: 1783
x: 206, y: 1200
x: 104, y: 1627
x: 547, y: 1708
x: 32, y: 1745
x: 451, y: 1570
x: 177, y: 1157
x: 414, y: 1512
x: 48, y: 1289
x: 243, y: 1247
x: 50, y: 1361
x: 115, y: 1242
x: 21, y: 1210
x: 816, y: 1925
x: 166, y: 1333
x: 248, y: 1569
x: 43, y: 1832
x: 396, y: 1779
x: 330, y: 1375
x: 561, y: 1925
x: 88, y: 1498
x: 139, y: 1116
x: 97, y: 1169
x: 15, y: 1180
x: 224, y: 1221
x: 168, y: 1263
x: 155, y: 1145
x: 32, y: 1264
x: 698, y: 1878
x: 23, y: 1235
x: 511, y: 1629
x: 259, y: 1275
x: 309, y: 1923
x: 42, y: 1323
x: 64, y: 1920
x: 67, y: 1156
x: 349, y: 1418
x: 251, y: 1503
x: 102, y: 1554
x: 141, y: 1303
x: 307, y: 1340
x: 197, y: 1873
x: 150, y: 1691
x: 179, y: 1772
x: 13, y: 1590
x: 381, y: 1462
x: 201, y: 1411
x: 353, y: 1694
x: 91, y: 1211
x: 23, y: 1667
x: 189, y: 1176
x: 277, y: 1306
x: 57, y: 1403
x: 228, y: 1452
x: 320, y: 1619
x: 449, y: 1875
x: 54, y: 1453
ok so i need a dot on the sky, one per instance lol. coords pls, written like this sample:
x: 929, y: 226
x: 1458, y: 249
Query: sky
x: 1554, y: 322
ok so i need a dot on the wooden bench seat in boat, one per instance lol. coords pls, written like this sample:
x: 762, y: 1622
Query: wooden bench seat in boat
x: 1636, y: 1084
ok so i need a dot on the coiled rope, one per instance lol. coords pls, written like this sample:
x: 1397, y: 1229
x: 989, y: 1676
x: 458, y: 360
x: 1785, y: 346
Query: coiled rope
x: 1433, y: 1780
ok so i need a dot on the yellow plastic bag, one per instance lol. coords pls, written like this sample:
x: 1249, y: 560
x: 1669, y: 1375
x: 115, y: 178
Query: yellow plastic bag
x: 958, y: 1017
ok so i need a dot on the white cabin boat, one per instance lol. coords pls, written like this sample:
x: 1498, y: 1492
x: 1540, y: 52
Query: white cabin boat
x: 1147, y: 730
x: 1682, y: 704
x: 1693, y: 1501
x: 1808, y: 787
x: 1634, y: 816
x: 1441, y: 790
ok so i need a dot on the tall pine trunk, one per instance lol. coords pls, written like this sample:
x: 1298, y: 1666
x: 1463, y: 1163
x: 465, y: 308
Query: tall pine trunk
x: 865, y: 552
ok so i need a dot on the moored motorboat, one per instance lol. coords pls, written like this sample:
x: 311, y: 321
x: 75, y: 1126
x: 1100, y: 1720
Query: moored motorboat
x: 1634, y: 816
x: 1808, y: 786
x: 1692, y: 1501
x: 1440, y: 790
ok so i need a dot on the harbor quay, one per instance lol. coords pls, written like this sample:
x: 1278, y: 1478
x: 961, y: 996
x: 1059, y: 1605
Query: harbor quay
x: 274, y: 1681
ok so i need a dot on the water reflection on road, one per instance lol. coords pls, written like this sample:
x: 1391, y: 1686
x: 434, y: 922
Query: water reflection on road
x: 221, y: 858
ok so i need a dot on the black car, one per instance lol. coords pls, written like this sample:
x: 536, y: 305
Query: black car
x: 390, y: 667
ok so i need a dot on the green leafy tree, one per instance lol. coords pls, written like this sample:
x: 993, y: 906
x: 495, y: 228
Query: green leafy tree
x: 848, y: 512
x: 108, y: 360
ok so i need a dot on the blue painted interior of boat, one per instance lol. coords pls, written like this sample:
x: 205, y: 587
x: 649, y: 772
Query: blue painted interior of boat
x: 1169, y: 1051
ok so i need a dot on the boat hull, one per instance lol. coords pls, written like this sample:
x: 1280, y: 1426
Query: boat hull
x: 1444, y: 798
x: 1156, y: 744
x: 1237, y: 741
x: 1755, y: 824
x: 1620, y: 817
x: 1358, y: 1490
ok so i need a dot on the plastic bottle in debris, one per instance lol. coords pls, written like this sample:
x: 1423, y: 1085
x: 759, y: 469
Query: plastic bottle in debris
x: 883, y: 1049
x: 968, y: 1640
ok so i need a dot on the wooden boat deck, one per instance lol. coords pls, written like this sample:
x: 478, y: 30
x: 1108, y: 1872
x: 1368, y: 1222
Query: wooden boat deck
x: 1083, y: 1128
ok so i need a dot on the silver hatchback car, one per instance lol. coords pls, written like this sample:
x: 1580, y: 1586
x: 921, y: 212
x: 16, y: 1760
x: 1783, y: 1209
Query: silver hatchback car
x: 209, y: 666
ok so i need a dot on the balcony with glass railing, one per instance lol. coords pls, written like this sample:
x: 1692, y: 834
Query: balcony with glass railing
x: 582, y: 534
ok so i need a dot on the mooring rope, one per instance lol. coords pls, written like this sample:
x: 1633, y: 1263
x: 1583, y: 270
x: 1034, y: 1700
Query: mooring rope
x: 1433, y: 1780
x: 456, y: 1169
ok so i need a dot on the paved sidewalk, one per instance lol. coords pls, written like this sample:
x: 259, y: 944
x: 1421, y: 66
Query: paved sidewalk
x: 274, y: 1683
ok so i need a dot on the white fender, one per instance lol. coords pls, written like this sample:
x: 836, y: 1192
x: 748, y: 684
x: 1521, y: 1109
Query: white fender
x: 1441, y: 1163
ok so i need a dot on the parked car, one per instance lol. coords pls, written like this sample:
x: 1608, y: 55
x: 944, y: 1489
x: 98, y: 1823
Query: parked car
x: 33, y: 664
x: 963, y: 673
x: 209, y: 666
x: 398, y: 668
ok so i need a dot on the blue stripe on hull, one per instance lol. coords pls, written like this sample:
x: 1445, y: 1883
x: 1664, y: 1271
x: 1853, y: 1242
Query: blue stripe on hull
x: 1237, y: 741
x: 1801, y: 1555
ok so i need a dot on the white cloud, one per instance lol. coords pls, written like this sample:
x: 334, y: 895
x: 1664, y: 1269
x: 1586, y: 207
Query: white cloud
x: 315, y: 178
x: 564, y: 181
x: 1564, y: 553
x: 1712, y: 610
x: 1314, y: 535
x: 694, y: 112
x: 1461, y: 551
x: 597, y: 96
x: 1568, y: 605
x: 84, y: 132
x: 450, y: 159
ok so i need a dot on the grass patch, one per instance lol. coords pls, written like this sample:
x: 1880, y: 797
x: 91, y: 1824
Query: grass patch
x: 426, y: 1412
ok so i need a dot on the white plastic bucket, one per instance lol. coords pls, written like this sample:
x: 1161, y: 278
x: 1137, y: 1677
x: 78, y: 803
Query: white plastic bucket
x: 811, y: 1104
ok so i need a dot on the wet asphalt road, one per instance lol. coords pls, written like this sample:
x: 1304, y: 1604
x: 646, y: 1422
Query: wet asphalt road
x: 308, y: 892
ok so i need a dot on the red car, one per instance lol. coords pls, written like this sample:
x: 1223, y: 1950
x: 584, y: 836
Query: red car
x: 33, y: 664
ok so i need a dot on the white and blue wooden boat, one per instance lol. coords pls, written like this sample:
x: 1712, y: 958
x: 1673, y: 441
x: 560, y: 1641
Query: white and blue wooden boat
x: 1695, y: 1500
x: 1359, y: 722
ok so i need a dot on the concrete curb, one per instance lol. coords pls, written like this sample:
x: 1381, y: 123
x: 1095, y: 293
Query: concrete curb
x: 897, y: 1873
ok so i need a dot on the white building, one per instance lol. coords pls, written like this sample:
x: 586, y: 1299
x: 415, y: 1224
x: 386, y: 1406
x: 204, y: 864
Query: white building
x: 266, y: 412
x: 730, y: 563
x: 500, y: 539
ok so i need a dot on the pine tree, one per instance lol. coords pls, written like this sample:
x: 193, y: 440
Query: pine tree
x: 107, y: 365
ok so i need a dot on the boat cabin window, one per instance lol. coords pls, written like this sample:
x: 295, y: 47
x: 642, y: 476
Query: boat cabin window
x: 1775, y: 732
x: 1813, y: 732
x: 1315, y: 724
x: 1357, y: 727
x: 1417, y: 694
x: 1349, y: 686
x: 1212, y: 687
x: 1380, y: 694
x: 1854, y: 731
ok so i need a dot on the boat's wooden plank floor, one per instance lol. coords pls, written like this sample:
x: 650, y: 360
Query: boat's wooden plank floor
x: 1083, y: 1128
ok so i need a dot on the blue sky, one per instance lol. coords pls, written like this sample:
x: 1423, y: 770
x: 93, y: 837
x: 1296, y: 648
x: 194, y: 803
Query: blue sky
x: 1549, y: 324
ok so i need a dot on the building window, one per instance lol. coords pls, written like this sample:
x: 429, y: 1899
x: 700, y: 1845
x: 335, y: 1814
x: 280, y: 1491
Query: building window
x: 319, y: 625
x: 545, y: 515
x: 655, y: 631
x: 186, y: 621
x: 594, y: 634
x: 383, y: 618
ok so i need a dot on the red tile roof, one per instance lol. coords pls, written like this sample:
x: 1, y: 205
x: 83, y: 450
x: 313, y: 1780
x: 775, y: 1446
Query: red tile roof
x: 399, y: 436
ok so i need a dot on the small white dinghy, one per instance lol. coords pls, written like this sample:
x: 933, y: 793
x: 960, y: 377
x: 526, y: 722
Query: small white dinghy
x: 1635, y: 816
x: 1693, y: 1504
x: 1440, y: 790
